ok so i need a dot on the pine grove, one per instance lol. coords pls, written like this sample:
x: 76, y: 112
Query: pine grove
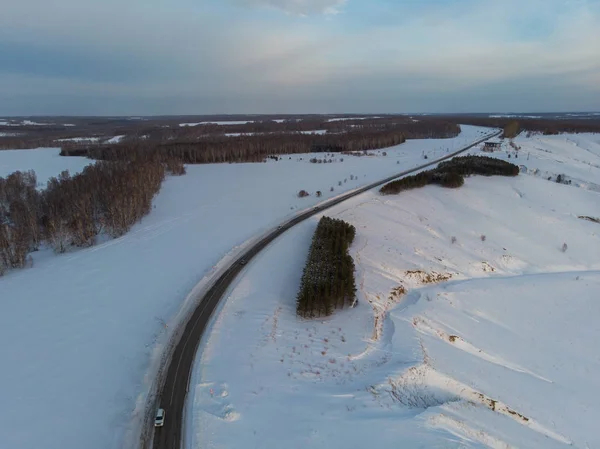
x: 451, y: 173
x: 328, y: 278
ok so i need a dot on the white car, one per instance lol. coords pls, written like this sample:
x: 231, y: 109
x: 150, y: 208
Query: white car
x: 159, y: 421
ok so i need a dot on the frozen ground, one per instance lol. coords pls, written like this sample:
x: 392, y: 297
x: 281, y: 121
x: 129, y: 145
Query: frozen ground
x: 485, y: 342
x: 45, y: 161
x: 83, y: 328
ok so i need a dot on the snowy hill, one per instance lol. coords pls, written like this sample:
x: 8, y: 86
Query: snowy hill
x: 86, y: 328
x: 492, y: 344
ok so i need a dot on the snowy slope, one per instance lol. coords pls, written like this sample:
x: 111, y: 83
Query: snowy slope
x: 85, y: 328
x: 46, y: 163
x: 499, y: 351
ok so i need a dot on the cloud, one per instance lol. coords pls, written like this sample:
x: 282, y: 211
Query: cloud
x: 70, y: 56
x: 299, y: 7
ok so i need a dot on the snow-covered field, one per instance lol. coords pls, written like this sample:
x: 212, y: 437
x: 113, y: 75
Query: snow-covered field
x: 46, y: 162
x: 115, y: 139
x: 490, y: 341
x: 83, y: 328
x: 340, y: 119
x: 79, y: 139
x: 4, y: 122
x: 227, y: 122
x: 312, y: 131
x: 574, y: 157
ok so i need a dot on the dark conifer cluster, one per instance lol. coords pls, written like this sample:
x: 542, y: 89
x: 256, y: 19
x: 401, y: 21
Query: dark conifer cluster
x: 478, y: 165
x: 107, y: 197
x: 328, y: 277
x: 451, y: 173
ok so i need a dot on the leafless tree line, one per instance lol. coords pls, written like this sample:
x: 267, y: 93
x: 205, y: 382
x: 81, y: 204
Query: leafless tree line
x: 256, y: 148
x: 107, y: 197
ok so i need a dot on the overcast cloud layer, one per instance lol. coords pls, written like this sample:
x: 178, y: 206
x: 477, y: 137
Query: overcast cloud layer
x: 293, y: 56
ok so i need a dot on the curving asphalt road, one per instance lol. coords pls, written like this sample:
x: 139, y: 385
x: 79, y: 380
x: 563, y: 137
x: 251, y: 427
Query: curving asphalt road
x: 174, y: 391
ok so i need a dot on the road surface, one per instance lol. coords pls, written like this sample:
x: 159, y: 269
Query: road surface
x: 172, y: 397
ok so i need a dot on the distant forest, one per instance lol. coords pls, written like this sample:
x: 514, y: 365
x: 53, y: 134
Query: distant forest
x: 194, y: 147
x: 546, y: 126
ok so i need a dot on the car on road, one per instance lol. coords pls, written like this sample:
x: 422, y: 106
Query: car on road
x: 243, y: 262
x: 159, y: 421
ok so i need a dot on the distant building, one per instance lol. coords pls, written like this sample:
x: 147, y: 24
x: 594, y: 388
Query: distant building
x: 491, y: 146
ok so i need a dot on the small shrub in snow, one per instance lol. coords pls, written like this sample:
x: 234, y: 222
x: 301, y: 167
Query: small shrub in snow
x: 331, y: 189
x: 303, y: 193
x: 339, y: 183
x: 318, y: 194
x: 453, y: 240
x: 175, y: 167
x: 564, y: 248
x: 483, y: 237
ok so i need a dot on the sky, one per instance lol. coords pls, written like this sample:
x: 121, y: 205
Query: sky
x: 155, y: 57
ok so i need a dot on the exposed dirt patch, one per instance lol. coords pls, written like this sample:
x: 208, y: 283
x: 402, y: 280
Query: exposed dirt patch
x: 487, y: 267
x: 512, y: 412
x: 432, y: 277
x: 397, y: 293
